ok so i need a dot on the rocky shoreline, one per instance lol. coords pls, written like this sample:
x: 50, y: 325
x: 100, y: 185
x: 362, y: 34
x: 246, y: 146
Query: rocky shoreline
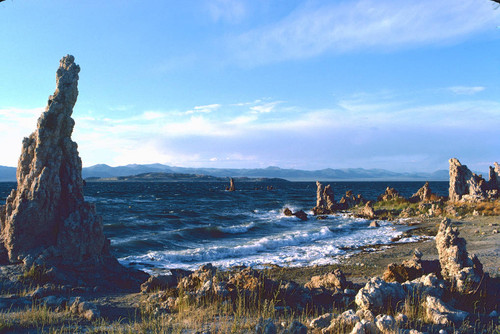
x: 57, y: 273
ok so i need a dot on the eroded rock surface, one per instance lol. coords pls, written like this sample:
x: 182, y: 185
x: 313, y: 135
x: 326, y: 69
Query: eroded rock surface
x: 424, y: 194
x: 389, y: 195
x: 464, y: 271
x: 465, y: 184
x: 47, y: 215
x: 325, y: 200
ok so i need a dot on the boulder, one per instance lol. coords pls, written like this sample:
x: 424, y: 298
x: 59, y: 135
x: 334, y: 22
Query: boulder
x: 465, y: 272
x: 287, y: 212
x: 385, y: 323
x: 301, y: 215
x: 334, y: 280
x: 47, y: 211
x: 440, y: 313
x: 377, y: 294
x: 464, y: 184
x: 322, y: 321
x: 368, y: 210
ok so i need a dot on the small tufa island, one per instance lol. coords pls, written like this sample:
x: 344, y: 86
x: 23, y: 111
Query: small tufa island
x: 57, y: 273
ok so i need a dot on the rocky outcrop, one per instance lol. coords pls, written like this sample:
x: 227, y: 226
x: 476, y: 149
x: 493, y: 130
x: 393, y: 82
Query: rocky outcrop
x: 334, y: 280
x: 410, y: 269
x: 465, y: 272
x: 424, y: 194
x: 349, y: 200
x: 299, y: 214
x: 368, y: 211
x: 377, y: 294
x: 46, y: 216
x: 231, y: 185
x: 464, y: 184
x: 325, y: 200
x: 389, y: 195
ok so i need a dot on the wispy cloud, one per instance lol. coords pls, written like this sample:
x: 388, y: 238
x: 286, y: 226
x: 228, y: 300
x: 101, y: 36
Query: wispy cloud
x: 203, y: 109
x: 232, y: 11
x: 466, y: 90
x: 312, y: 30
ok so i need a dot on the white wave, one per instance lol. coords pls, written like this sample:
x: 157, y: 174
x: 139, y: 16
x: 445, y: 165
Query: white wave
x: 236, y: 229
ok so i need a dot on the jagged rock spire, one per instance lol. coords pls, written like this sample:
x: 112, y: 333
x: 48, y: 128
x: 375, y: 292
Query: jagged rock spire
x: 46, y: 217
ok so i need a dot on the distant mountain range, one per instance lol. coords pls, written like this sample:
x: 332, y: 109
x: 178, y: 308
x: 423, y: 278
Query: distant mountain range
x: 177, y: 177
x: 329, y: 174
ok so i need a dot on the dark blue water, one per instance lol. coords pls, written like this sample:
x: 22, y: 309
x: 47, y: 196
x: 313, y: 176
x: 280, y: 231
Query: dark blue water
x: 165, y: 225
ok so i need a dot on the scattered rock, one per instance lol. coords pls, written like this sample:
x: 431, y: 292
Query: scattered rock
x: 374, y: 224
x: 287, y: 212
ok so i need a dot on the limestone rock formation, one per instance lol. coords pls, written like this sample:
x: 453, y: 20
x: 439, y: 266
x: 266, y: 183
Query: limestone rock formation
x: 377, y: 294
x: 464, y: 271
x: 334, y: 280
x: 424, y: 194
x: 47, y: 215
x: 368, y: 210
x: 389, y: 194
x: 325, y: 200
x: 231, y: 185
x: 464, y: 184
x: 349, y: 200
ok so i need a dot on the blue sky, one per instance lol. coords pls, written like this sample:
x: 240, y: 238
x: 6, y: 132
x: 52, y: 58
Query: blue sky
x: 395, y: 84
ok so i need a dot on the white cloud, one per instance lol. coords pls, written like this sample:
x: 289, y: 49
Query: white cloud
x: 203, y: 109
x: 466, y: 90
x: 232, y: 11
x: 265, y: 107
x: 363, y: 24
